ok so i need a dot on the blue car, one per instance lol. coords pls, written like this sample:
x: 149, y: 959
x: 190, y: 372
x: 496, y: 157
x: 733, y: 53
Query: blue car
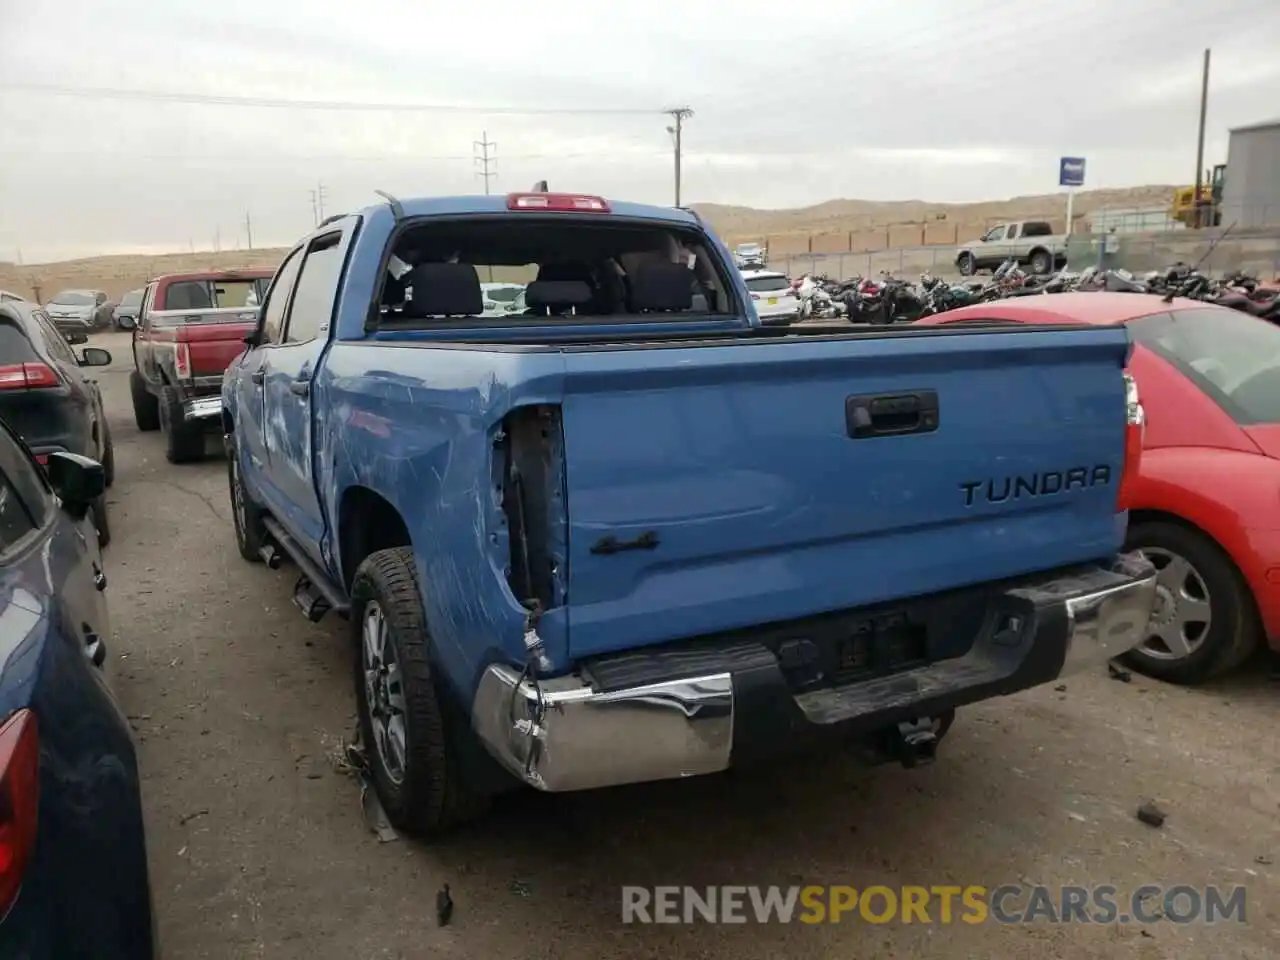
x: 73, y: 861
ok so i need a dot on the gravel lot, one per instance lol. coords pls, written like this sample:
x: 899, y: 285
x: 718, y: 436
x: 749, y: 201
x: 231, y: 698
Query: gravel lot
x: 259, y: 848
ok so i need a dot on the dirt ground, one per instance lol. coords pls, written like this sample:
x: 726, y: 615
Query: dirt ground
x: 259, y: 849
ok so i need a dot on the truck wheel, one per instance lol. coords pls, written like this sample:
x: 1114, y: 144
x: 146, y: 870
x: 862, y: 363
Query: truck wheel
x: 413, y: 762
x: 146, y: 408
x: 967, y: 264
x: 1041, y: 263
x: 183, y: 440
x: 98, y: 514
x: 245, y: 515
x: 1204, y: 622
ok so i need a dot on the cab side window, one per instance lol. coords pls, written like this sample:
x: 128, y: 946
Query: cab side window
x: 313, y: 298
x: 273, y: 312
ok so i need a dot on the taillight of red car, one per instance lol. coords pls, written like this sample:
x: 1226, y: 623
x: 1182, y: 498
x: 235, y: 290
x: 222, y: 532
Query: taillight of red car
x: 1135, y: 423
x: 27, y: 376
x: 19, y: 802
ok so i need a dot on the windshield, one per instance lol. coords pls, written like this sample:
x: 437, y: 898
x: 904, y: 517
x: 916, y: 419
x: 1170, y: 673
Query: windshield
x: 131, y: 299
x: 74, y: 298
x: 1233, y: 357
x: 768, y: 284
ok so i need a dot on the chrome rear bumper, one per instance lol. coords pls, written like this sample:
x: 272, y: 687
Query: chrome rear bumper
x: 573, y: 733
x: 202, y: 408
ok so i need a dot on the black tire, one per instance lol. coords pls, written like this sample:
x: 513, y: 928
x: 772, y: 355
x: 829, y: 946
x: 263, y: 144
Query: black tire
x: 108, y: 455
x: 183, y: 439
x: 245, y: 515
x: 1234, y: 629
x: 98, y: 514
x: 967, y: 264
x: 1041, y: 263
x: 429, y: 796
x: 146, y: 408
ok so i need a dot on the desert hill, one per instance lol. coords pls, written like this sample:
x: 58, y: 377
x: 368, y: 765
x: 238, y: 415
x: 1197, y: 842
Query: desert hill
x: 120, y: 273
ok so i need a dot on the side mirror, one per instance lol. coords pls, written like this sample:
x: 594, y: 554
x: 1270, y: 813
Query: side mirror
x: 128, y: 323
x: 77, y: 481
x: 77, y: 338
x: 94, y: 357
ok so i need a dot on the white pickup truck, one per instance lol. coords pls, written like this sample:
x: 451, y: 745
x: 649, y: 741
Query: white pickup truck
x: 1032, y: 242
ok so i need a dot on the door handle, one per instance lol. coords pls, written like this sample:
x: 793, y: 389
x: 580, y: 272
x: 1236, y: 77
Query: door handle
x: 300, y: 387
x: 892, y: 415
x: 258, y: 376
x: 94, y: 648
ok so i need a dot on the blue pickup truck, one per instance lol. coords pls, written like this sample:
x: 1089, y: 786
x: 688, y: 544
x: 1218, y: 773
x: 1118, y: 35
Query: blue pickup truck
x: 630, y: 534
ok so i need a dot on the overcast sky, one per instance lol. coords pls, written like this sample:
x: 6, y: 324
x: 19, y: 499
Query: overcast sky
x: 794, y: 104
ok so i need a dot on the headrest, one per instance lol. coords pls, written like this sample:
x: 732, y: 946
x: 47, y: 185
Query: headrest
x: 542, y: 294
x: 444, y: 290
x: 565, y: 271
x: 662, y: 286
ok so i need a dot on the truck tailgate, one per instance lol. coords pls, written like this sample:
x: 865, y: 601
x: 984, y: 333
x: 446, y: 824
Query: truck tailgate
x: 722, y: 484
x: 213, y: 337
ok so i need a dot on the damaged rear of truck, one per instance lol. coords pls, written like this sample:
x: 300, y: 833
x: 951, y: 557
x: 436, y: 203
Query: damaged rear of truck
x: 630, y: 534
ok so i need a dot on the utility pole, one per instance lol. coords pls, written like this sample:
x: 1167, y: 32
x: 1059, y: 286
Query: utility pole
x: 217, y: 239
x: 1204, y: 110
x: 483, y: 158
x: 317, y: 203
x: 678, y: 115
x: 248, y: 228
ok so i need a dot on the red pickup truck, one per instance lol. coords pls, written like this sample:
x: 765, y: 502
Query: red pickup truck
x: 190, y: 326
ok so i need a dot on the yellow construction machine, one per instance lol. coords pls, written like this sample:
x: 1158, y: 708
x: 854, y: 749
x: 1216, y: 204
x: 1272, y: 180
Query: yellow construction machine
x: 1208, y: 211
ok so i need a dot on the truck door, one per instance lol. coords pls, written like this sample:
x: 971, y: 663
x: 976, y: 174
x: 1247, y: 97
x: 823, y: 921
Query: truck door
x: 290, y: 366
x: 142, y: 361
x: 250, y: 380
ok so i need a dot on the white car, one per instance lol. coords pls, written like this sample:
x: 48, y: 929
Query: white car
x: 499, y: 297
x: 750, y: 256
x: 5, y: 296
x: 772, y: 294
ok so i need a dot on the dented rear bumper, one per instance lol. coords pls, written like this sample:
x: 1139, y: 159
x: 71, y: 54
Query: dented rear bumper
x: 701, y: 706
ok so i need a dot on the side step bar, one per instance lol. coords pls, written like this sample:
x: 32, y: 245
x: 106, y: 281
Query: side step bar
x: 315, y: 593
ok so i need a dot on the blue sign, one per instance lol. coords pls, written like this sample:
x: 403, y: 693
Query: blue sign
x: 1071, y: 172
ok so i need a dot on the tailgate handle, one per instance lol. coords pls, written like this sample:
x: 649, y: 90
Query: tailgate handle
x: 258, y: 375
x: 892, y: 415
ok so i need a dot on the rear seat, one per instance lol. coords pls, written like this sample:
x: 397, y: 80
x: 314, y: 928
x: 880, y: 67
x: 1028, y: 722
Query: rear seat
x: 443, y: 290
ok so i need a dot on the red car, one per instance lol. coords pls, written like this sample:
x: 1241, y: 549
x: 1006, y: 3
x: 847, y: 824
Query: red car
x: 1205, y: 506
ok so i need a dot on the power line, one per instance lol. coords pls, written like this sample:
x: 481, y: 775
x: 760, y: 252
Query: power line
x: 116, y: 93
x: 483, y: 158
x: 317, y: 203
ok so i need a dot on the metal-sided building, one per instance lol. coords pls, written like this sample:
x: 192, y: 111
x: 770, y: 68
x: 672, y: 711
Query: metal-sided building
x: 1251, y: 193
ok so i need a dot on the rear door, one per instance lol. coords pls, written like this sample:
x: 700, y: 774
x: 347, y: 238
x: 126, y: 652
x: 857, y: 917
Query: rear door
x: 290, y: 365
x: 250, y: 376
x: 84, y: 397
x: 143, y: 355
x: 758, y: 482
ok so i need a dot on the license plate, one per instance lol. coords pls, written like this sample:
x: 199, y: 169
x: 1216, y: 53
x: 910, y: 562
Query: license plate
x: 773, y: 301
